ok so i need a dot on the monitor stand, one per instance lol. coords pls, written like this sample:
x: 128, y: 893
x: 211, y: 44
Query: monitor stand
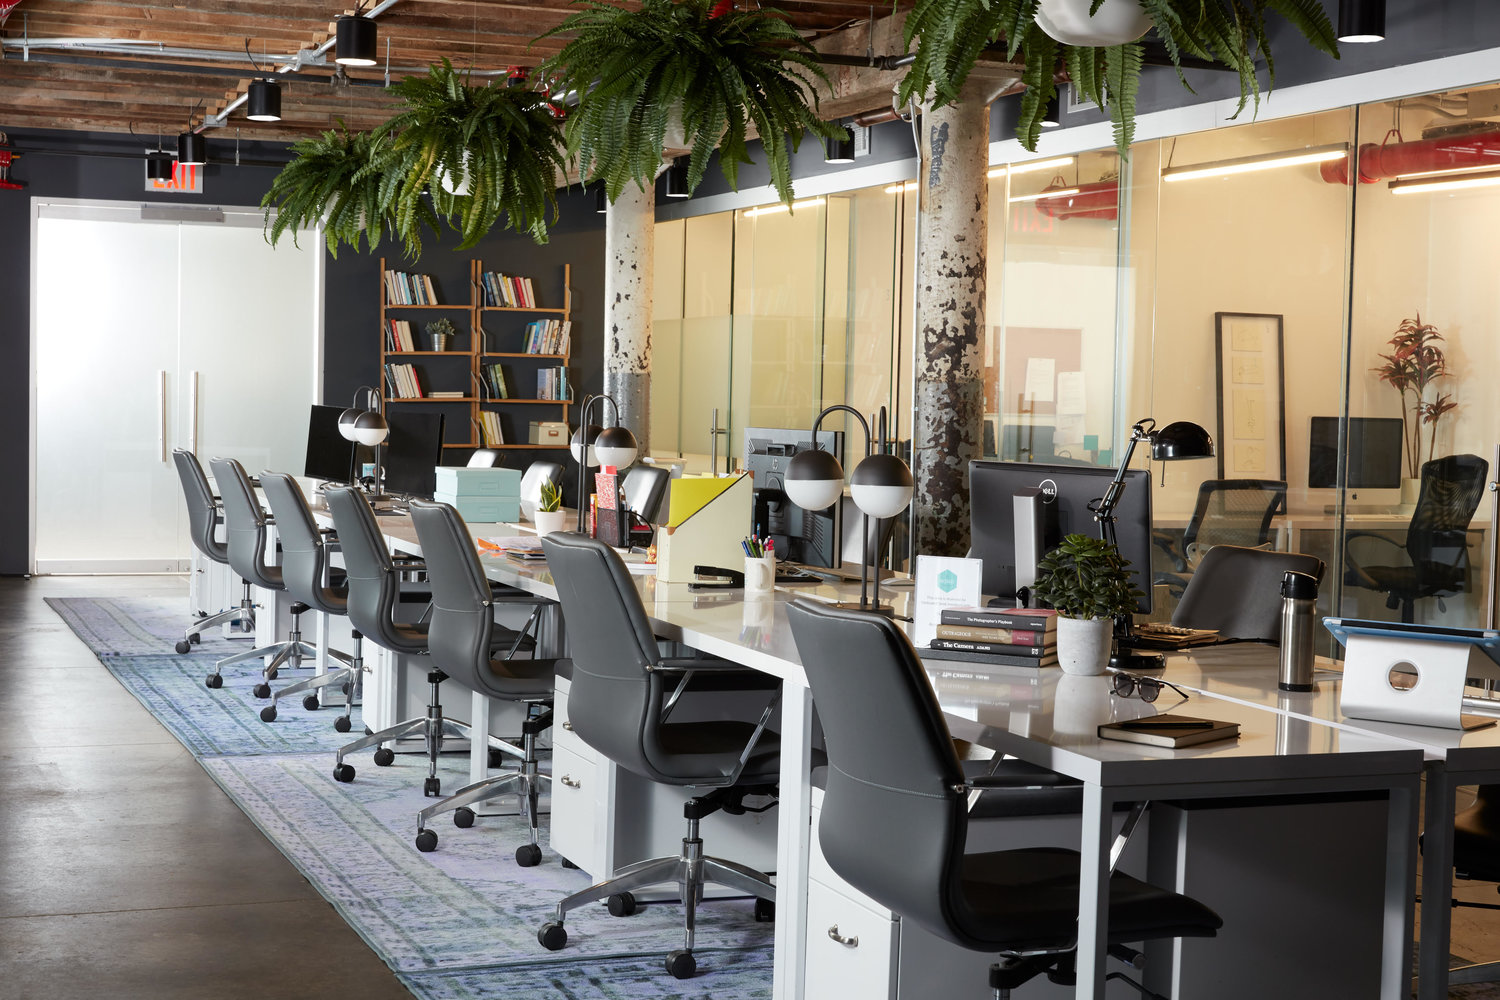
x: 1131, y: 660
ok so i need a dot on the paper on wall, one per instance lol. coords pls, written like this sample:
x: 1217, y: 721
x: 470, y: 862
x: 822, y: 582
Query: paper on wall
x: 1068, y: 429
x: 1071, y: 397
x: 1040, y: 375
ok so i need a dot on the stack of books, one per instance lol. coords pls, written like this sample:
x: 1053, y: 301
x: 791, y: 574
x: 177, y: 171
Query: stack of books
x: 1013, y: 637
x: 402, y: 289
x: 403, y: 382
x: 547, y: 336
x: 507, y: 291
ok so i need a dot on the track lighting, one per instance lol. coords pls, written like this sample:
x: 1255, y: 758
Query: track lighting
x: 355, y: 39
x: 1361, y: 21
x: 264, y: 101
x: 192, y: 149
x: 677, y: 179
x: 836, y: 150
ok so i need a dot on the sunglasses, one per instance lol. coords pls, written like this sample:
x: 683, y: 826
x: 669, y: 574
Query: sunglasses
x: 1147, y: 688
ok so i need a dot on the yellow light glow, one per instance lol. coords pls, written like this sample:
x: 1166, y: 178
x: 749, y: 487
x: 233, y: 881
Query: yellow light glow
x: 898, y: 188
x: 776, y: 209
x: 1450, y: 182
x: 1054, y: 193
x: 1030, y: 167
x: 1251, y: 164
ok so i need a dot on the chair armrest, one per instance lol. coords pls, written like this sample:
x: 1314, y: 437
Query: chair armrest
x: 1016, y: 788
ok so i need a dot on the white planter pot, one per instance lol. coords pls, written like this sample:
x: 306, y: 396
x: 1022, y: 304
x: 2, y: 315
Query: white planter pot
x: 1068, y: 21
x: 548, y: 521
x: 1083, y: 644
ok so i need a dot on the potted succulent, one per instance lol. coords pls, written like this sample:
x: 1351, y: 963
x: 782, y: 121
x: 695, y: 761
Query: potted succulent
x: 951, y: 34
x: 700, y: 68
x: 330, y: 182
x: 1088, y: 582
x: 479, y: 152
x: 549, y: 515
x: 1415, y: 362
x: 441, y: 333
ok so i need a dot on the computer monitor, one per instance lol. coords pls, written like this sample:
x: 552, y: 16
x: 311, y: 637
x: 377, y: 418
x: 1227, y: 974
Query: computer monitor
x: 330, y: 455
x: 1027, y: 442
x: 413, y: 452
x: 805, y: 536
x: 1374, y: 448
x: 1064, y: 495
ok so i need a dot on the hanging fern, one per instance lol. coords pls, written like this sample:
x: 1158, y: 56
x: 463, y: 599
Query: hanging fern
x: 717, y: 71
x: 330, y: 181
x: 503, y: 140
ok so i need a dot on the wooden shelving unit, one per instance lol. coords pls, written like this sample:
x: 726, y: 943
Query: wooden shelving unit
x: 510, y: 333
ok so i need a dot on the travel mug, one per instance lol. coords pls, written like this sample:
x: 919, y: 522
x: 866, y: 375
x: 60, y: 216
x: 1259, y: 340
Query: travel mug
x: 1299, y: 598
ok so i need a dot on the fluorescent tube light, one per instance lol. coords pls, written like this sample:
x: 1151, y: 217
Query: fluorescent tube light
x: 1444, y: 182
x: 1031, y: 166
x: 774, y: 209
x: 1250, y: 164
x: 1052, y: 193
x: 898, y: 188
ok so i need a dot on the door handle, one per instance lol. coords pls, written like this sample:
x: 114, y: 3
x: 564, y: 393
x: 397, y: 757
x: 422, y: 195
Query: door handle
x: 193, y: 412
x: 161, y: 414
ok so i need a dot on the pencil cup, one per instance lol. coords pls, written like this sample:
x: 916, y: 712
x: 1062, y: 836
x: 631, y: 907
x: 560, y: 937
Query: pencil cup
x: 760, y: 574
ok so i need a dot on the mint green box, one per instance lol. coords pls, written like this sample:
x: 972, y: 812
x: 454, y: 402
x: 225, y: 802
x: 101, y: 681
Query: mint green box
x: 482, y: 509
x: 458, y: 482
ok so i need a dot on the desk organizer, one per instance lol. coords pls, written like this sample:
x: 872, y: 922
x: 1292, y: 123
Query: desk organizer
x: 707, y: 518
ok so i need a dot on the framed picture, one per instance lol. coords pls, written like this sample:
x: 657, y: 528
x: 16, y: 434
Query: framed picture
x: 1252, y: 402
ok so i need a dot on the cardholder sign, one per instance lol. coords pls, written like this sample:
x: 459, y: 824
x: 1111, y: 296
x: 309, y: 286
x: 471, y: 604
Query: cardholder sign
x: 943, y: 582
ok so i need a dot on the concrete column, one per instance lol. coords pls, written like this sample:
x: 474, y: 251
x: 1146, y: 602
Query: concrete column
x: 629, y: 269
x: 947, y: 429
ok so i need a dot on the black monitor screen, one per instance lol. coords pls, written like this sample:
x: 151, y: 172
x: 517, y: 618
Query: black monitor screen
x: 804, y: 536
x: 413, y: 452
x: 1374, y: 450
x: 1067, y: 490
x: 330, y: 456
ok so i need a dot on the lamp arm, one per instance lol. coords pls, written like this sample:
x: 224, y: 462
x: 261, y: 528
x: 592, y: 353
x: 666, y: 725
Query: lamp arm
x: 583, y: 461
x: 1104, y: 509
x: 864, y: 424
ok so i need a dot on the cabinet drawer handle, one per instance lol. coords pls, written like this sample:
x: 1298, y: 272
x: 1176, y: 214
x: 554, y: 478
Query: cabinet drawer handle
x: 568, y: 726
x: 570, y: 782
x: 848, y: 942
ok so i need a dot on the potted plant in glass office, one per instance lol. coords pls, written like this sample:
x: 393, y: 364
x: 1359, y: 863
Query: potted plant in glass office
x: 1414, y: 364
x: 331, y: 181
x: 440, y: 331
x: 697, y: 68
x: 1088, y: 582
x: 549, y: 515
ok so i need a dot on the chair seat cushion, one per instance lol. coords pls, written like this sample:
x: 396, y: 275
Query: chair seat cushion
x: 522, y: 678
x: 708, y: 751
x: 1025, y: 899
x: 1410, y: 580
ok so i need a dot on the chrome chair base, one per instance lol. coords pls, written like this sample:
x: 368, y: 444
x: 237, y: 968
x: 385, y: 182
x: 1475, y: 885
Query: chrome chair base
x: 433, y: 729
x: 289, y: 652
x: 349, y: 678
x: 243, y: 616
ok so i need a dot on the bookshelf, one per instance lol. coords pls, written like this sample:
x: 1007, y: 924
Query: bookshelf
x: 523, y: 337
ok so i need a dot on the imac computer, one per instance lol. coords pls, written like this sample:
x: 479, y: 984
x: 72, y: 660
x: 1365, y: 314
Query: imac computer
x: 1374, y: 449
x: 413, y: 452
x: 813, y: 537
x: 330, y: 455
x: 1061, y: 495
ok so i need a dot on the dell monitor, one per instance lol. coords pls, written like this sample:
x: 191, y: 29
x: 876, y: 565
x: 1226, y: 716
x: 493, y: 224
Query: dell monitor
x: 330, y: 455
x: 1063, y: 495
x: 1374, y: 448
x: 806, y: 536
x: 413, y: 452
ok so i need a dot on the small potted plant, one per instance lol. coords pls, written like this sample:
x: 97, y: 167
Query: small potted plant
x: 441, y: 332
x: 1088, y: 582
x: 549, y: 515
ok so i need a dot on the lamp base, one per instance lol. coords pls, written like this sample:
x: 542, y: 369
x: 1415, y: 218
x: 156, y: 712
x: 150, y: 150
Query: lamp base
x: 1127, y: 659
x: 874, y: 608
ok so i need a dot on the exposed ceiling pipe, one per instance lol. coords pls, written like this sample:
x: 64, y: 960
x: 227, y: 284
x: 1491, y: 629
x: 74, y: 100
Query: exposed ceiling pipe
x: 1382, y: 161
x: 867, y: 61
x: 96, y: 62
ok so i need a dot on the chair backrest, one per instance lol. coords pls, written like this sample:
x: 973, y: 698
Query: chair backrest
x: 532, y: 479
x: 613, y: 703
x: 1452, y: 488
x: 203, y: 513
x: 891, y: 765
x: 484, y: 458
x: 304, y: 557
x: 374, y: 584
x: 244, y: 525
x: 1234, y: 512
x: 1238, y: 591
x: 645, y: 489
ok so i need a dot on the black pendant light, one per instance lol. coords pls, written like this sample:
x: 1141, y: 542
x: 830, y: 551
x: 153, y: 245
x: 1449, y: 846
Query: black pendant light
x: 264, y: 104
x: 355, y: 39
x: 677, y: 179
x: 1052, y: 118
x: 159, y: 165
x: 836, y: 150
x: 192, y: 149
x: 601, y: 200
x: 1361, y: 21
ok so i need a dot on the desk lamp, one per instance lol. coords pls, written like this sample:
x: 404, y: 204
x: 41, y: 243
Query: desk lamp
x: 592, y: 445
x: 881, y: 487
x: 1179, y: 440
x: 366, y: 426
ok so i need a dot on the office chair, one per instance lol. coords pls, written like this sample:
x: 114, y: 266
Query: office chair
x: 305, y: 571
x: 248, y: 544
x: 204, y: 517
x: 1476, y: 856
x: 620, y: 702
x: 892, y: 769
x: 531, y: 484
x: 1238, y: 591
x: 1436, y: 548
x: 1228, y: 512
x: 484, y: 458
x: 461, y: 636
x: 645, y: 489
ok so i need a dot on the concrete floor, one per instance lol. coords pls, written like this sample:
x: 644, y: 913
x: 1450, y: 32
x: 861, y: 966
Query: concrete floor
x: 124, y: 871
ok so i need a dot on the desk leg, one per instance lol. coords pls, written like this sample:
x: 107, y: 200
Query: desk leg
x: 479, y: 737
x: 1093, y: 890
x: 1400, y: 876
x: 1437, y: 885
x: 793, y: 845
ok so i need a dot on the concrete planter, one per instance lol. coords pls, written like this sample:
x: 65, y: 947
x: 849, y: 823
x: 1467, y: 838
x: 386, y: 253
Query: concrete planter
x: 1083, y: 644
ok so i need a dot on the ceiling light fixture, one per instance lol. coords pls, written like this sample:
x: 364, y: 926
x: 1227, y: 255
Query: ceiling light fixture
x: 192, y: 149
x: 778, y: 209
x: 677, y: 179
x: 1052, y: 118
x: 1251, y: 164
x: 263, y: 101
x: 1361, y: 21
x: 898, y: 188
x: 1045, y: 193
x: 1444, y: 182
x: 839, y: 150
x: 1030, y: 167
x: 355, y: 39
x: 159, y: 165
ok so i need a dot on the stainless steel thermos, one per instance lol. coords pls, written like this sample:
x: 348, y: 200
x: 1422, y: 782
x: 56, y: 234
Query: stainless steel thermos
x: 1299, y: 598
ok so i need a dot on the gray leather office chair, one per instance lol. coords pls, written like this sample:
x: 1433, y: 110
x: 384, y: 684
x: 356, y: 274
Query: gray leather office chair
x: 620, y: 702
x: 531, y: 484
x: 1238, y: 591
x: 462, y: 638
x: 645, y: 488
x: 308, y: 578
x: 484, y: 458
x: 892, y: 769
x: 204, y: 517
x: 249, y: 546
x: 1228, y: 512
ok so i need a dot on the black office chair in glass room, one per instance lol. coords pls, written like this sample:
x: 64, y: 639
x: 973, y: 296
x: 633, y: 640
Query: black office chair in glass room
x: 1237, y: 591
x: 892, y: 768
x: 309, y: 579
x: 1436, y: 552
x: 204, y: 518
x: 620, y: 702
x: 1476, y: 857
x: 463, y: 640
x: 247, y: 528
x: 1228, y: 512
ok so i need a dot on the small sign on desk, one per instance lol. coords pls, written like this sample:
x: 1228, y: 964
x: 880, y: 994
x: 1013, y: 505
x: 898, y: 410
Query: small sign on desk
x: 942, y: 582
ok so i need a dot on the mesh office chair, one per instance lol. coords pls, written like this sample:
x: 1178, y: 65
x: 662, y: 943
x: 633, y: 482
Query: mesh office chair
x: 1228, y: 512
x: 1436, y: 548
x: 204, y: 517
x: 461, y: 638
x: 1476, y: 856
x: 249, y: 541
x: 892, y: 769
x: 1238, y: 591
x: 620, y: 702
x: 305, y: 571
x: 531, y: 484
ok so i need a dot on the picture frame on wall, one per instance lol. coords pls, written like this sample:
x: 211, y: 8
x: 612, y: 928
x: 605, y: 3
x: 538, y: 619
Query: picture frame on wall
x: 1251, y: 380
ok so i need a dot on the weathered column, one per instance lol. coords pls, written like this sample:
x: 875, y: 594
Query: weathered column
x: 629, y: 259
x: 947, y: 429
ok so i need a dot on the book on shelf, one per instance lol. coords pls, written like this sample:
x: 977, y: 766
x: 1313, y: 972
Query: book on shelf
x: 1043, y: 619
x: 552, y: 383
x: 1008, y: 636
x: 547, y: 336
x: 403, y: 382
x: 1169, y: 730
x: 446, y: 394
x: 489, y: 425
x: 492, y: 378
x: 398, y: 336
x: 402, y: 289
x: 505, y: 290
x: 1003, y: 648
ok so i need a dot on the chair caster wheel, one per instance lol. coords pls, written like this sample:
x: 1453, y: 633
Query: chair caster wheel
x: 344, y: 773
x: 385, y: 757
x: 183, y: 646
x: 213, y: 681
x: 528, y: 855
x: 552, y: 936
x: 432, y: 787
x: 196, y: 639
x: 271, y: 674
x: 621, y: 904
x: 268, y: 714
x: 765, y: 911
x: 311, y: 703
x: 342, y: 724
x: 568, y: 864
x: 463, y: 817
x: 261, y: 690
x: 497, y: 757
x: 681, y: 965
x: 426, y: 841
